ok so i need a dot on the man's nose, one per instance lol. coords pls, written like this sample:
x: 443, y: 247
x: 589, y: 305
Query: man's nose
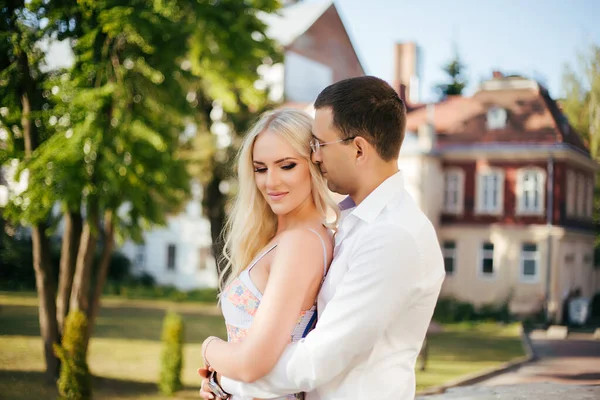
x: 315, y: 157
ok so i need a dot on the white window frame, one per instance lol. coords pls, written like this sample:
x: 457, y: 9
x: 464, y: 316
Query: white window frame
x: 496, y: 118
x: 485, y: 254
x: 571, y: 191
x: 580, y: 198
x: 521, y: 191
x: 449, y: 253
x: 529, y: 255
x: 481, y: 174
x: 458, y: 207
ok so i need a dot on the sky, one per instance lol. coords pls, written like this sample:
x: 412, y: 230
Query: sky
x: 533, y: 38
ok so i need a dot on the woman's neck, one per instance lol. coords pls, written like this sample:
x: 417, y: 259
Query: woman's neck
x: 303, y: 214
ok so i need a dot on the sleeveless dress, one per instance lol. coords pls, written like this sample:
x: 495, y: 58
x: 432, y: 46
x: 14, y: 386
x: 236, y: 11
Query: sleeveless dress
x: 240, y: 301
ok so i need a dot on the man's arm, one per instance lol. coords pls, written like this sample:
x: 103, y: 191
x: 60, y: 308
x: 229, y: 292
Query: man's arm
x: 383, y: 278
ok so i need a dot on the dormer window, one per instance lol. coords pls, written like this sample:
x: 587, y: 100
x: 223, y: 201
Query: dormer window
x: 496, y: 118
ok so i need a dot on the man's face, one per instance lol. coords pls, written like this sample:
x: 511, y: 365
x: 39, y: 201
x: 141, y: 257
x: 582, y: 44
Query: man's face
x: 336, y: 160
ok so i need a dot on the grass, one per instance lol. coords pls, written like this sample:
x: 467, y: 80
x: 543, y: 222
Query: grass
x: 467, y: 348
x: 124, y: 353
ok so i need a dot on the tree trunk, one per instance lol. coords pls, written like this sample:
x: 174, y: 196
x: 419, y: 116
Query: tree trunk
x: 44, y: 275
x: 68, y: 257
x: 85, y: 259
x: 46, y: 289
x: 214, y: 209
x: 108, y: 245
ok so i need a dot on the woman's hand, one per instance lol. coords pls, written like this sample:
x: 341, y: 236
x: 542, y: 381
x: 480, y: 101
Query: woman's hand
x: 205, y: 391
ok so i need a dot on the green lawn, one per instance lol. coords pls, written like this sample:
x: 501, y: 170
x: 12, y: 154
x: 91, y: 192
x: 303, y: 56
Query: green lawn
x: 125, y: 351
x: 467, y: 348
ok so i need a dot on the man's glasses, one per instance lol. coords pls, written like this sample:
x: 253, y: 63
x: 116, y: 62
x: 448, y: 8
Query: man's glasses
x: 315, y: 145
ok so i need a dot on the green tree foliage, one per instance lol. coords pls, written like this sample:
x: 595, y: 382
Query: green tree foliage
x: 106, y: 139
x: 455, y: 69
x: 172, y: 354
x: 581, y: 105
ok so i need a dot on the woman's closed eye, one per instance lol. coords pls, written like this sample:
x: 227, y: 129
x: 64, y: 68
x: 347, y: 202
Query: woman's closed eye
x: 286, y: 167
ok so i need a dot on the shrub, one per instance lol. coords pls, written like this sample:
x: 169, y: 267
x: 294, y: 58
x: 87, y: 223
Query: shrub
x: 172, y: 354
x: 449, y: 310
x: 75, y: 381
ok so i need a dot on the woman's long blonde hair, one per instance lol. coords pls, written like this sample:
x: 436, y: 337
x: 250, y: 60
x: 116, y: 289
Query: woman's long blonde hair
x: 251, y: 223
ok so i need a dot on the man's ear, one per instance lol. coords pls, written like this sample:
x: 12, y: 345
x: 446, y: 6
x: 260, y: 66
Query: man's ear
x: 362, y: 148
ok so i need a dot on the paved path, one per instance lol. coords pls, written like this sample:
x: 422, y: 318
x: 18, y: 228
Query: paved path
x: 567, y: 369
x: 575, y: 360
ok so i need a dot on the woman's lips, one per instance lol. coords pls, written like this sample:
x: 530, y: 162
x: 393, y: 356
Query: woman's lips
x: 275, y: 196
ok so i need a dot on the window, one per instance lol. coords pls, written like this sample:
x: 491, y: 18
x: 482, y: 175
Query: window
x: 204, y: 253
x: 530, y: 262
x: 487, y: 260
x: 589, y: 198
x: 140, y: 256
x: 449, y: 252
x: 571, y: 192
x: 496, y: 118
x: 580, y: 204
x: 530, y: 191
x: 453, y: 191
x: 171, y: 253
x: 490, y: 191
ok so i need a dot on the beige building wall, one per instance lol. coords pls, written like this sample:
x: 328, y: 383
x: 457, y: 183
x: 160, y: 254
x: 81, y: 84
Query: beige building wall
x: 574, y: 268
x: 571, y: 266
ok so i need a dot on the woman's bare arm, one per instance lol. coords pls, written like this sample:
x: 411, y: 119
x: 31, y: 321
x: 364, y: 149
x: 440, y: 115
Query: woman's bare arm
x: 296, y: 271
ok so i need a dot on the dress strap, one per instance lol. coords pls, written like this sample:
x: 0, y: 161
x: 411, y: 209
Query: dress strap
x: 261, y: 256
x: 324, y: 253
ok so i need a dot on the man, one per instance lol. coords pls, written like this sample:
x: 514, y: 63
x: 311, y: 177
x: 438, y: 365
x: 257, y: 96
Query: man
x: 382, y: 286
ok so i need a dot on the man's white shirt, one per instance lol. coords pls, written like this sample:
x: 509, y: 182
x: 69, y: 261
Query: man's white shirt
x: 374, y: 307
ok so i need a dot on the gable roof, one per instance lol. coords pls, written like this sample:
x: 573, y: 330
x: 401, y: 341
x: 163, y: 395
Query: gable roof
x: 291, y: 22
x: 533, y: 117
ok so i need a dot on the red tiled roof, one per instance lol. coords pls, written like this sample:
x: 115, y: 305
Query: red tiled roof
x: 532, y: 117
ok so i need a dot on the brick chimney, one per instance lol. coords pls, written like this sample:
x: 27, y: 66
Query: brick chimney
x: 497, y: 75
x: 406, y: 74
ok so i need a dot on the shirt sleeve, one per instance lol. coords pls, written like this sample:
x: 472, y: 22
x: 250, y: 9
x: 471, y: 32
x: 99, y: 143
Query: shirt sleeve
x: 382, y: 279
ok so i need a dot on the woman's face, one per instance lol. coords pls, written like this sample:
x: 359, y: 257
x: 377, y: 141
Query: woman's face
x: 282, y: 175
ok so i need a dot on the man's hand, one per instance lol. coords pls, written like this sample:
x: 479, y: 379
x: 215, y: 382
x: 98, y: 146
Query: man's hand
x: 205, y: 391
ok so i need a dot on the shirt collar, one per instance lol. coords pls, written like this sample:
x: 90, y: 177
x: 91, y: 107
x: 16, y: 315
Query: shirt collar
x: 375, y: 202
x: 346, y: 204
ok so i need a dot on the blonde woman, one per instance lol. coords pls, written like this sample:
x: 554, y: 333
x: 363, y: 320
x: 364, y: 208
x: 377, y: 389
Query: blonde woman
x: 278, y: 248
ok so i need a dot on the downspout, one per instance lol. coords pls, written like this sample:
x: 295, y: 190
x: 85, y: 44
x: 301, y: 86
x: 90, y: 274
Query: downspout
x: 549, y: 214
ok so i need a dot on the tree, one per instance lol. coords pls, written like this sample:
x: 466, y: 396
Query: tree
x: 581, y: 105
x: 22, y: 122
x: 455, y: 70
x: 240, y: 35
x: 103, y: 139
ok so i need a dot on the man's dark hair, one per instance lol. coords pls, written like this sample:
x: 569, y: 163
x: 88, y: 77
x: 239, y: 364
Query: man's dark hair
x: 367, y: 106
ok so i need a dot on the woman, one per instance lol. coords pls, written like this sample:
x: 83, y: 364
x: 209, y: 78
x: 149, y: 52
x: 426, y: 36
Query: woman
x: 278, y: 248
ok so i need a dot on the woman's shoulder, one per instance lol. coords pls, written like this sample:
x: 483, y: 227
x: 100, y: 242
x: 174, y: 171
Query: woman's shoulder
x: 307, y: 236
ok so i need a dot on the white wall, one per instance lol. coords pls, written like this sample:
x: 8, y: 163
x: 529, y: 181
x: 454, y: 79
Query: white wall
x: 304, y: 78
x: 189, y: 232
